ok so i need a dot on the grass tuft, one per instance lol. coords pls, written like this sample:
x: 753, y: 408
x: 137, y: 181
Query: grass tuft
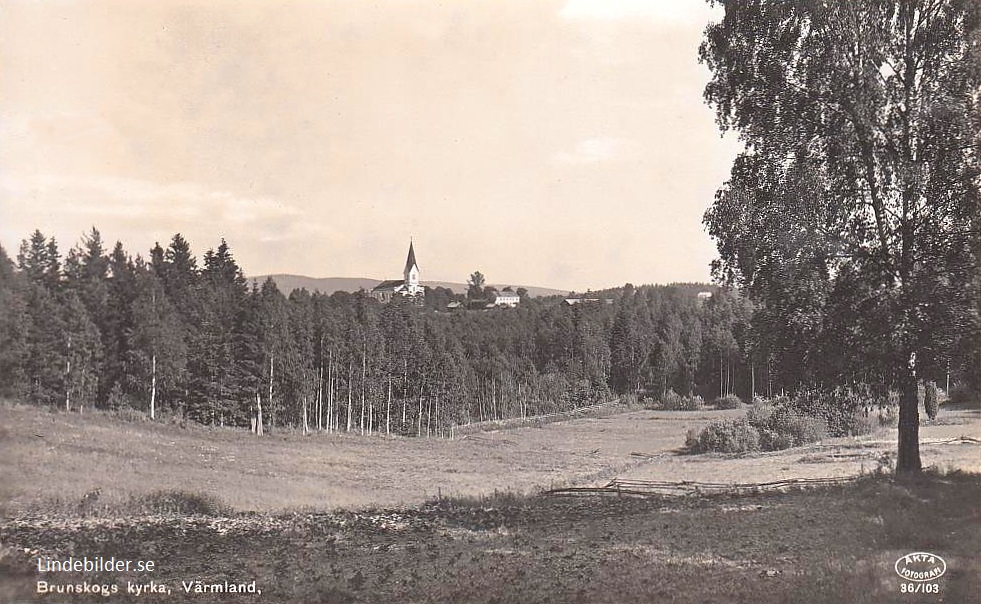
x: 181, y: 503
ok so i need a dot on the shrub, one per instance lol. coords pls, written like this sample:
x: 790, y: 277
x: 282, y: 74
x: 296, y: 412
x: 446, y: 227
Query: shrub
x: 726, y: 436
x: 888, y: 416
x: 782, y: 427
x: 931, y: 402
x: 729, y: 401
x: 862, y: 423
x: 129, y: 414
x: 962, y: 394
x: 760, y: 414
x: 845, y: 409
x: 672, y: 401
x: 809, y: 416
x: 771, y: 440
x: 182, y: 502
x: 804, y: 429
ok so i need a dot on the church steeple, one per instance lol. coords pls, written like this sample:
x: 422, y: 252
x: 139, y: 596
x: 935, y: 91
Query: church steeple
x: 411, y: 272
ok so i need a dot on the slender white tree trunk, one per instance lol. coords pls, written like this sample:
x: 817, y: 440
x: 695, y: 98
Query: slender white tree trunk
x: 269, y: 400
x: 364, y: 374
x: 331, y: 421
x: 388, y: 408
x: 153, y: 385
x: 68, y: 377
x: 306, y: 427
x: 405, y: 390
x: 320, y: 398
x: 349, y: 376
x: 437, y: 415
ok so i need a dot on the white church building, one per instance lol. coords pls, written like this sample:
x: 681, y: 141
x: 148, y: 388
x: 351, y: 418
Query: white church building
x: 408, y: 285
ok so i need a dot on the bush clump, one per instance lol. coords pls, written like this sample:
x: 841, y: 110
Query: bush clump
x: 726, y: 436
x: 845, y: 409
x: 182, y: 503
x: 808, y: 416
x: 729, y: 401
x: 766, y: 427
x: 931, y: 400
x: 964, y: 395
x: 672, y: 401
x: 782, y: 427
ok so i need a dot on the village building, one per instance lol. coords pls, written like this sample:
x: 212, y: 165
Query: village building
x: 505, y: 298
x: 574, y: 301
x: 408, y: 285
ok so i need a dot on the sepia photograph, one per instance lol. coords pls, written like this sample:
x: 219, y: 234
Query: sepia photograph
x: 490, y: 301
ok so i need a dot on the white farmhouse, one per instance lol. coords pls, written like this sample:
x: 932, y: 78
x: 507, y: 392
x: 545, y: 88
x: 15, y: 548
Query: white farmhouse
x: 505, y: 298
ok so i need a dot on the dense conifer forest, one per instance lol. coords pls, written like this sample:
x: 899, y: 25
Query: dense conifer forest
x: 177, y: 338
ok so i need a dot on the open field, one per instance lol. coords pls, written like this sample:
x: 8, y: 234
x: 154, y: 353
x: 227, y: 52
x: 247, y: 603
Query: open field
x: 397, y: 541
x: 828, y: 545
x: 46, y: 456
x: 57, y: 455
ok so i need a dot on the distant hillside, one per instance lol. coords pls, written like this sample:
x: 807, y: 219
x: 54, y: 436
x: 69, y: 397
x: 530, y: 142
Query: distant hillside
x: 329, y: 285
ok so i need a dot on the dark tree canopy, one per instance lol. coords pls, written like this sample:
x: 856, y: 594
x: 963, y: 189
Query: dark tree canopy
x: 475, y: 285
x: 202, y: 343
x: 852, y: 215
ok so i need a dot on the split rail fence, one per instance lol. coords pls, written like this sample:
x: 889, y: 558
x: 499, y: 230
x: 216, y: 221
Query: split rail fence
x: 620, y: 486
x: 513, y: 423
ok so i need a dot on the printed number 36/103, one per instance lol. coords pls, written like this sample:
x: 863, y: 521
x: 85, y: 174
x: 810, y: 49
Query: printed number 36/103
x: 919, y: 588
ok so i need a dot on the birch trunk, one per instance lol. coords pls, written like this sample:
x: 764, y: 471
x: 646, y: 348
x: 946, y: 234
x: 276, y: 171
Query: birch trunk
x: 388, y: 407
x: 68, y: 377
x: 364, y: 373
x: 350, y: 374
x: 269, y: 400
x: 153, y: 385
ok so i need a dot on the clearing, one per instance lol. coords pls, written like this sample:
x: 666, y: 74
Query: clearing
x: 398, y: 542
x: 60, y: 457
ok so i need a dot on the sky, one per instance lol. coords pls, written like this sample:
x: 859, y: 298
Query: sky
x: 561, y: 143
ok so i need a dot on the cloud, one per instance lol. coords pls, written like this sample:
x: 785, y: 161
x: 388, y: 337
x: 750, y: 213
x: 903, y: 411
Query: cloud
x: 659, y: 11
x: 598, y: 150
x: 180, y: 205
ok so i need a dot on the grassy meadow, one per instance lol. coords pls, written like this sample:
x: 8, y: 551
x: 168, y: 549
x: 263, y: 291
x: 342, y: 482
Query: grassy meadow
x: 345, y: 518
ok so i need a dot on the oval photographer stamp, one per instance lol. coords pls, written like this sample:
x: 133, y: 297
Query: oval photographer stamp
x: 921, y: 567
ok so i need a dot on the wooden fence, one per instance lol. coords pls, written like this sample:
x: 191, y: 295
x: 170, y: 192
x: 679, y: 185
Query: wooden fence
x: 620, y: 486
x: 513, y: 423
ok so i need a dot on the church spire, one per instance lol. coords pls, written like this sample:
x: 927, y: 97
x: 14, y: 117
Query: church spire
x: 411, y: 273
x: 410, y: 261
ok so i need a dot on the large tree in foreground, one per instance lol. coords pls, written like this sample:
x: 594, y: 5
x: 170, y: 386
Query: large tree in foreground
x: 855, y: 202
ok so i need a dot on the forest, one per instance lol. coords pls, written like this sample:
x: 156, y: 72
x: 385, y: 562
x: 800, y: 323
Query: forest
x: 167, y: 336
x: 172, y: 337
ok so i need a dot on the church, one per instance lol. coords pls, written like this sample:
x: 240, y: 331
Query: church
x: 408, y: 285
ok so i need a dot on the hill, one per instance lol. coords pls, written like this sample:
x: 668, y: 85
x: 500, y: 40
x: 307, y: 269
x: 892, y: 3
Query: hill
x: 329, y: 285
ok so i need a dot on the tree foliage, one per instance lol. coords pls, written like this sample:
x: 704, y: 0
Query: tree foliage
x: 203, y: 344
x: 852, y: 215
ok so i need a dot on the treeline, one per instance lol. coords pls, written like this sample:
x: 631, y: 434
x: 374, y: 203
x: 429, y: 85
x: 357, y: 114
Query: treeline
x: 167, y: 334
